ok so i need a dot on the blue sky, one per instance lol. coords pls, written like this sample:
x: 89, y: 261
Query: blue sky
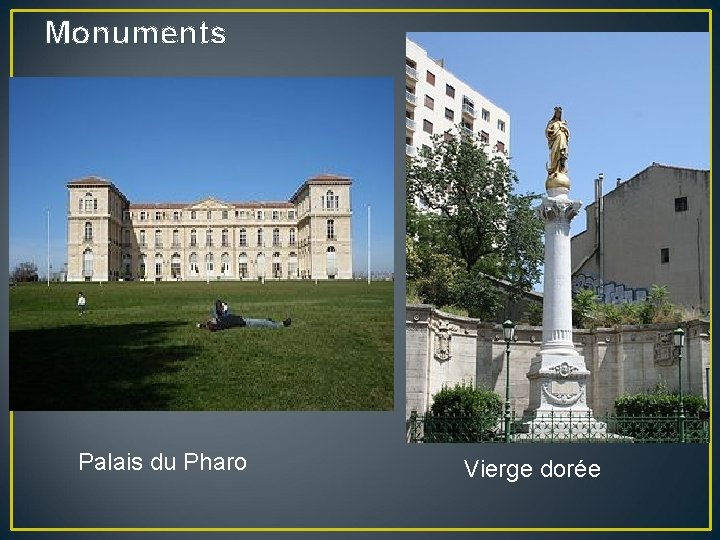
x: 629, y: 98
x: 181, y: 140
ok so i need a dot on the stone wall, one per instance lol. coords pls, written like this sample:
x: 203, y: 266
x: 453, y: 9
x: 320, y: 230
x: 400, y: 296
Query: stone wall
x: 448, y: 349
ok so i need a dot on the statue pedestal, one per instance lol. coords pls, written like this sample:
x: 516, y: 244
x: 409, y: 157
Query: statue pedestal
x: 558, y: 376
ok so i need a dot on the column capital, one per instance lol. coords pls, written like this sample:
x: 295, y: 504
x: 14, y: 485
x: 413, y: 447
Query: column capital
x: 558, y: 208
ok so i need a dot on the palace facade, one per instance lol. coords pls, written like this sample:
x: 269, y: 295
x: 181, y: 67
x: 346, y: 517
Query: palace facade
x: 306, y: 237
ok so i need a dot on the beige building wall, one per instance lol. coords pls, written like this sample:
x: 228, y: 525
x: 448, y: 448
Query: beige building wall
x: 444, y: 349
x: 656, y: 232
x: 210, y: 239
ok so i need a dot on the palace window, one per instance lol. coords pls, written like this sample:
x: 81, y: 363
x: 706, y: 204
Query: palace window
x: 243, y: 265
x: 208, y: 214
x: 243, y: 237
x: 176, y: 238
x: 158, y: 238
x: 193, y: 214
x: 224, y: 238
x: 259, y: 215
x: 225, y: 263
x: 208, y: 238
x: 291, y: 214
x: 331, y: 229
x: 142, y: 239
x: 194, y: 268
x: 259, y: 237
x: 143, y: 215
x: 210, y: 262
x: 88, y: 231
x: 158, y: 216
x: 224, y: 214
x: 292, y: 237
x: 193, y: 238
x: 276, y: 237
x: 176, y: 215
x: 275, y: 215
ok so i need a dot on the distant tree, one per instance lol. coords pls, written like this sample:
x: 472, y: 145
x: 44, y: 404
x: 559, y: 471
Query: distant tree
x: 470, y: 214
x: 25, y: 271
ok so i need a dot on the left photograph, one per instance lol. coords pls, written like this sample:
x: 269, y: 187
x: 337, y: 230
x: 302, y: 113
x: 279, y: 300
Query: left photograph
x: 201, y: 244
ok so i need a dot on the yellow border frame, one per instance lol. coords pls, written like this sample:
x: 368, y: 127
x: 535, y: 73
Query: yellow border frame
x: 379, y: 529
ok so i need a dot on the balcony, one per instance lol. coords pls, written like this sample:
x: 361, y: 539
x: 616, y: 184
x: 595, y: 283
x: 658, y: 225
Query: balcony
x: 410, y: 124
x: 410, y: 98
x: 468, y: 110
x: 466, y: 130
x: 158, y: 245
x: 410, y: 150
x: 411, y: 73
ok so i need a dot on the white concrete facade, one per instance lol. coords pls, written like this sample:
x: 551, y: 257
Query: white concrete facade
x: 437, y: 101
x: 306, y: 237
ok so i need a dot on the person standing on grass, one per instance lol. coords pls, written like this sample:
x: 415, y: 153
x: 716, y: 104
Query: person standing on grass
x: 81, y: 303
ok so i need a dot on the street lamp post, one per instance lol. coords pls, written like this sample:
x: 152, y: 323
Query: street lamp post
x: 679, y: 342
x: 508, y: 334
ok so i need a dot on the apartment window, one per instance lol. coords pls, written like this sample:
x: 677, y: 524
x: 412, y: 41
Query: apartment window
x: 665, y: 255
x: 500, y: 146
x: 292, y: 237
x: 331, y: 229
x: 88, y: 231
x: 208, y: 237
x: 486, y: 115
x: 193, y: 238
x: 501, y: 125
x: 276, y: 237
x: 484, y: 137
x: 681, y: 204
x: 449, y: 114
x: 429, y: 103
x: 430, y: 78
x: 224, y: 214
x: 259, y: 237
x: 427, y: 127
x: 224, y: 238
x: 449, y: 91
x: 193, y: 214
x: 447, y: 136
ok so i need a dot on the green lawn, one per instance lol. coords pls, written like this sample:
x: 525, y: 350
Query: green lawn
x: 137, y: 347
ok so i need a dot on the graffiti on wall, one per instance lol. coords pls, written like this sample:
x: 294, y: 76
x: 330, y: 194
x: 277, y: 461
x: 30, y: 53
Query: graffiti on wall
x: 611, y: 293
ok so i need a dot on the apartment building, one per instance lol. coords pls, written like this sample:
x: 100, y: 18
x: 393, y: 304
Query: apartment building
x: 306, y: 237
x: 653, y: 229
x: 437, y: 101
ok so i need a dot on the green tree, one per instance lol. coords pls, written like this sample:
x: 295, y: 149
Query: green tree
x: 471, y: 216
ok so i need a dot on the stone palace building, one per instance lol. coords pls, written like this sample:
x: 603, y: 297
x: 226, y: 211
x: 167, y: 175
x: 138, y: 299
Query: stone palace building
x: 306, y: 237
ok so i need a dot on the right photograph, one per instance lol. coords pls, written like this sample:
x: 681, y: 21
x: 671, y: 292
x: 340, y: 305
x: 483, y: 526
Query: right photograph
x: 558, y: 237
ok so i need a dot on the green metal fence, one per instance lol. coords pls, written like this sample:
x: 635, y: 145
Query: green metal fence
x: 557, y: 427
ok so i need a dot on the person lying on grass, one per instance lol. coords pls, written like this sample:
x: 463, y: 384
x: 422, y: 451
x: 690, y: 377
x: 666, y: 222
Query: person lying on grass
x: 230, y: 321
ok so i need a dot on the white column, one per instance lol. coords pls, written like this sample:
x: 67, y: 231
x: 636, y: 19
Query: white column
x: 557, y: 212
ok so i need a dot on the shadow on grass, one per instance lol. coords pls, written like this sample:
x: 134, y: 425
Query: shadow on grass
x: 81, y: 367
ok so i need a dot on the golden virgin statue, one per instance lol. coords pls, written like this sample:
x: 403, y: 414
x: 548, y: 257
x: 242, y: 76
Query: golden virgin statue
x: 557, y: 134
